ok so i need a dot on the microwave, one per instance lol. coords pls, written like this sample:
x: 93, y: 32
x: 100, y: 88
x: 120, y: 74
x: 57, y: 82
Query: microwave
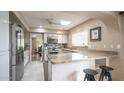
x: 52, y: 40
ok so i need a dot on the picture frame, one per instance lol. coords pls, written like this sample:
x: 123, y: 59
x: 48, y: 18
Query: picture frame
x: 95, y: 34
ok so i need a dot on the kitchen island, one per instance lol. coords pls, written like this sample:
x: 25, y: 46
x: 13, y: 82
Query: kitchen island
x: 68, y: 66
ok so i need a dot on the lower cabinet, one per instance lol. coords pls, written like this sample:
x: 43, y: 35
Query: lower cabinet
x: 26, y: 57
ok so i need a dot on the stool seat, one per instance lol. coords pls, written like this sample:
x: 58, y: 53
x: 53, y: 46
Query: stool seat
x: 106, y: 68
x: 89, y: 74
x: 90, y: 71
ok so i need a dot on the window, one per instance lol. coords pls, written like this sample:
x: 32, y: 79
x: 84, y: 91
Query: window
x: 80, y: 39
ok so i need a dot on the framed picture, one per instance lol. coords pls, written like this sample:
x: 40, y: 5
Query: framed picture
x: 95, y: 34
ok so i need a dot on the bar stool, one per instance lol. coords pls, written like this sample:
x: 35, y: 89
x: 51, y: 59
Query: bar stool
x: 89, y: 74
x: 105, y: 73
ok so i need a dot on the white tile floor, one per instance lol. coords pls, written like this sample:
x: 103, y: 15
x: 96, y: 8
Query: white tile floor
x: 34, y: 72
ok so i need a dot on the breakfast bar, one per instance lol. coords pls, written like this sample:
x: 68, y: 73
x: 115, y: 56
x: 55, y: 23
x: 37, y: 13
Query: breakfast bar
x: 69, y: 66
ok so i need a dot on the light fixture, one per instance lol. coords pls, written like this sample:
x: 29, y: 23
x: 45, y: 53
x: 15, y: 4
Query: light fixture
x: 41, y: 26
x: 59, y: 32
x: 65, y: 22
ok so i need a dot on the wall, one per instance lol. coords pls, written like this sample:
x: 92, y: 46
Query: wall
x: 109, y: 38
x: 4, y: 46
x: 111, y: 41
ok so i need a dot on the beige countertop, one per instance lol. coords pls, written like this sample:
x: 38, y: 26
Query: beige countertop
x: 76, y: 55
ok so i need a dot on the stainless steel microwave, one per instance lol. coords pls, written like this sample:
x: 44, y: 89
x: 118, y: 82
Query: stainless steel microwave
x: 52, y: 40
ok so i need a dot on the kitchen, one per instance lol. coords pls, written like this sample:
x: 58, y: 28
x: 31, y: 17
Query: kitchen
x: 86, y: 40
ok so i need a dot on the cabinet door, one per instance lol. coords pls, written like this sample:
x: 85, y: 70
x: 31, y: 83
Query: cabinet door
x: 64, y: 38
x: 55, y: 36
x: 60, y: 39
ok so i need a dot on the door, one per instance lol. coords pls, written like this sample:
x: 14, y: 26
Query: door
x: 34, y: 48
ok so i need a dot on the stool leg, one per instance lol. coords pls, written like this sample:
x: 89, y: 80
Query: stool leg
x: 109, y: 76
x: 106, y: 75
x: 102, y: 75
x: 85, y: 77
x: 92, y: 78
x: 88, y: 77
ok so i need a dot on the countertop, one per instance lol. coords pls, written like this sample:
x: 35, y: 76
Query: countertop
x: 78, y: 55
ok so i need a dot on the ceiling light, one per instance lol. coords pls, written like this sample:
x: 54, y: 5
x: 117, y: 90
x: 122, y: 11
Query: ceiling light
x: 39, y: 30
x: 65, y: 22
x: 59, y: 32
x: 41, y: 26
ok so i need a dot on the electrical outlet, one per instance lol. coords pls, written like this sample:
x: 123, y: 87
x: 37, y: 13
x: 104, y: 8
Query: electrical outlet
x: 104, y: 46
x: 118, y: 46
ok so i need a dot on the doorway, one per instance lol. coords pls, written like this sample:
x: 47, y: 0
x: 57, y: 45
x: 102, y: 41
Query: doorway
x: 36, y: 50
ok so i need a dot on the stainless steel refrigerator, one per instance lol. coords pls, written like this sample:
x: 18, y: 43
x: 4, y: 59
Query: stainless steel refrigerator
x: 17, y: 49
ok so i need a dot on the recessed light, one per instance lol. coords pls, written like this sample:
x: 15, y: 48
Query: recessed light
x: 41, y: 26
x: 65, y: 22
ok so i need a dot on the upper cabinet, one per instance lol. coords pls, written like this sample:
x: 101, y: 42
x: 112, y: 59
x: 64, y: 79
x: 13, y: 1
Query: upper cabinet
x: 62, y: 38
x: 53, y: 36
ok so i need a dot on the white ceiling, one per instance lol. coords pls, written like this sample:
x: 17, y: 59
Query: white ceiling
x: 36, y: 18
x: 33, y: 19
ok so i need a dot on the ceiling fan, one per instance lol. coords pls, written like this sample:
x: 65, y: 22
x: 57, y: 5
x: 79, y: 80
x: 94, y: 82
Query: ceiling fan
x: 52, y: 21
x: 57, y: 22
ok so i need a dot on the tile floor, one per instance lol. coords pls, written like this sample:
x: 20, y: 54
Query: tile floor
x: 34, y: 71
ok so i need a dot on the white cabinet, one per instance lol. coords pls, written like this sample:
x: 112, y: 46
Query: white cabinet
x: 62, y: 38
x: 26, y: 57
x: 53, y: 36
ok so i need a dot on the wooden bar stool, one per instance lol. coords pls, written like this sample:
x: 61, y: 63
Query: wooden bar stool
x: 89, y: 74
x: 105, y: 73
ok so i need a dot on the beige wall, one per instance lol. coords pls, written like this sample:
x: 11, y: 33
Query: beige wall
x: 109, y: 38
